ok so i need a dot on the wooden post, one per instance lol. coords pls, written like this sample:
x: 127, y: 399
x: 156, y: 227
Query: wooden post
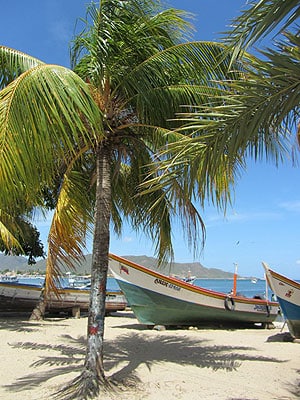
x: 76, y: 312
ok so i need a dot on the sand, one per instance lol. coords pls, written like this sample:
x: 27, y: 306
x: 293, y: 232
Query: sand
x: 206, y: 363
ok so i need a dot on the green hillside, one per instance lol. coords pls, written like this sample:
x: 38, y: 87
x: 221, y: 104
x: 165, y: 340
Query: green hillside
x: 19, y: 265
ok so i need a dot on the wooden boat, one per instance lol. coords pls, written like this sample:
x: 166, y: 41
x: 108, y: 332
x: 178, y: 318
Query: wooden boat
x: 287, y: 292
x: 24, y: 297
x: 157, y: 299
x: 15, y: 296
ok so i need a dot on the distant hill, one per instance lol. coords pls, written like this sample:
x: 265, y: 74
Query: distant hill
x: 13, y: 263
x: 181, y: 269
x: 19, y: 265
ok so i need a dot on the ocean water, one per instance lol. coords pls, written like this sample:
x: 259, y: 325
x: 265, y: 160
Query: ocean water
x: 244, y: 286
x: 112, y: 284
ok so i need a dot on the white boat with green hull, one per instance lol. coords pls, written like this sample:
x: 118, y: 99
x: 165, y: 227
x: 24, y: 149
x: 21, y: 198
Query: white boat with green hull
x: 157, y: 299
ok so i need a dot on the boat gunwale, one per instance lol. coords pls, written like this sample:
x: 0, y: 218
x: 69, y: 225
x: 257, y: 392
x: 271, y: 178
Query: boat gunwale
x: 283, y: 278
x: 22, y: 285
x: 60, y: 290
x: 190, y: 287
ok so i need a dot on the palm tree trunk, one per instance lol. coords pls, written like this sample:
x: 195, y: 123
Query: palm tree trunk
x: 38, y: 312
x: 94, y: 354
x: 88, y: 384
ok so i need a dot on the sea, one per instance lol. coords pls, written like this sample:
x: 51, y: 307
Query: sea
x: 245, y: 287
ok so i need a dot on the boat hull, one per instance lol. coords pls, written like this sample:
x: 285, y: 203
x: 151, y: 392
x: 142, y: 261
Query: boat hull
x: 287, y: 292
x: 160, y: 300
x: 24, y: 297
x: 18, y: 296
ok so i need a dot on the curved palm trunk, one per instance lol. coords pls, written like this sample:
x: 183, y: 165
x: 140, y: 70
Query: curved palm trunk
x: 38, y: 312
x: 94, y: 354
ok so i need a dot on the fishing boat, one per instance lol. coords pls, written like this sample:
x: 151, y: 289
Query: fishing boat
x: 9, y: 278
x: 188, y: 279
x: 157, y: 299
x: 78, y: 281
x: 287, y: 292
x: 16, y: 296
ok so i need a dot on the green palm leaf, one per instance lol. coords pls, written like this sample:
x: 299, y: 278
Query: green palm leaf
x: 13, y: 63
x: 260, y: 19
x: 71, y: 223
x: 8, y: 231
x: 46, y: 115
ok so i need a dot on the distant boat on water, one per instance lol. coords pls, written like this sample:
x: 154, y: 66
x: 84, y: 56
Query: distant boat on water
x: 189, y: 279
x: 9, y: 278
x: 157, y: 299
x: 287, y: 292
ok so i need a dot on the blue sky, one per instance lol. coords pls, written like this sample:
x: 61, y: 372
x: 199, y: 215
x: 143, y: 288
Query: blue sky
x: 262, y: 224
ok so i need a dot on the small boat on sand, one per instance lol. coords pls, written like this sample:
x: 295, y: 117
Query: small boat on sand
x: 158, y: 299
x: 16, y: 296
x: 287, y: 292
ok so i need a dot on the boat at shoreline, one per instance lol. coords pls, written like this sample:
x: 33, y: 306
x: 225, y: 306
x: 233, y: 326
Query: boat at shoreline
x: 157, y: 299
x: 16, y: 296
x: 287, y: 292
x: 9, y: 278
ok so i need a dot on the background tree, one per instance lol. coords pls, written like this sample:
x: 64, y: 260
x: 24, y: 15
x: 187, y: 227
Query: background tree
x: 27, y: 241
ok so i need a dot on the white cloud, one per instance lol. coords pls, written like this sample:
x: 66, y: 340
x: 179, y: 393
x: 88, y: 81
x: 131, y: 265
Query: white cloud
x: 127, y: 239
x: 292, y: 206
x: 237, y: 217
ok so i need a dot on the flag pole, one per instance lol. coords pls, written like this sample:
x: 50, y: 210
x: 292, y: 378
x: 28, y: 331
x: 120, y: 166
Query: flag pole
x: 234, y: 279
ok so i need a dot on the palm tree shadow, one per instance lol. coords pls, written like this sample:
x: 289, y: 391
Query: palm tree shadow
x: 19, y: 322
x: 69, y: 358
x: 128, y: 352
x: 136, y: 350
x: 295, y: 389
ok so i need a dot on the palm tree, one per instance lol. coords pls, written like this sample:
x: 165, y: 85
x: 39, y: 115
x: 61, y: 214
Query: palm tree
x: 91, y: 139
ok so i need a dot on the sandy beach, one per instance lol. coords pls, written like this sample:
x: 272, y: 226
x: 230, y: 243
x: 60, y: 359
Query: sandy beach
x: 206, y: 363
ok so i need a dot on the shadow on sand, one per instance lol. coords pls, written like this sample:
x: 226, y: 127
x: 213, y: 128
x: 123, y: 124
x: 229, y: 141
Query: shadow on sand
x: 126, y: 354
x: 19, y: 322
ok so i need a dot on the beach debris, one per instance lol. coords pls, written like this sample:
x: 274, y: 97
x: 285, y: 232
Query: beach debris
x: 159, y: 327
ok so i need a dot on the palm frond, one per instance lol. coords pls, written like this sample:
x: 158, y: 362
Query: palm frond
x: 152, y: 212
x: 9, y: 230
x: 118, y: 35
x: 255, y: 116
x: 199, y: 164
x: 13, y: 63
x: 260, y: 19
x: 174, y: 80
x: 46, y: 114
x: 71, y: 223
x: 189, y: 62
